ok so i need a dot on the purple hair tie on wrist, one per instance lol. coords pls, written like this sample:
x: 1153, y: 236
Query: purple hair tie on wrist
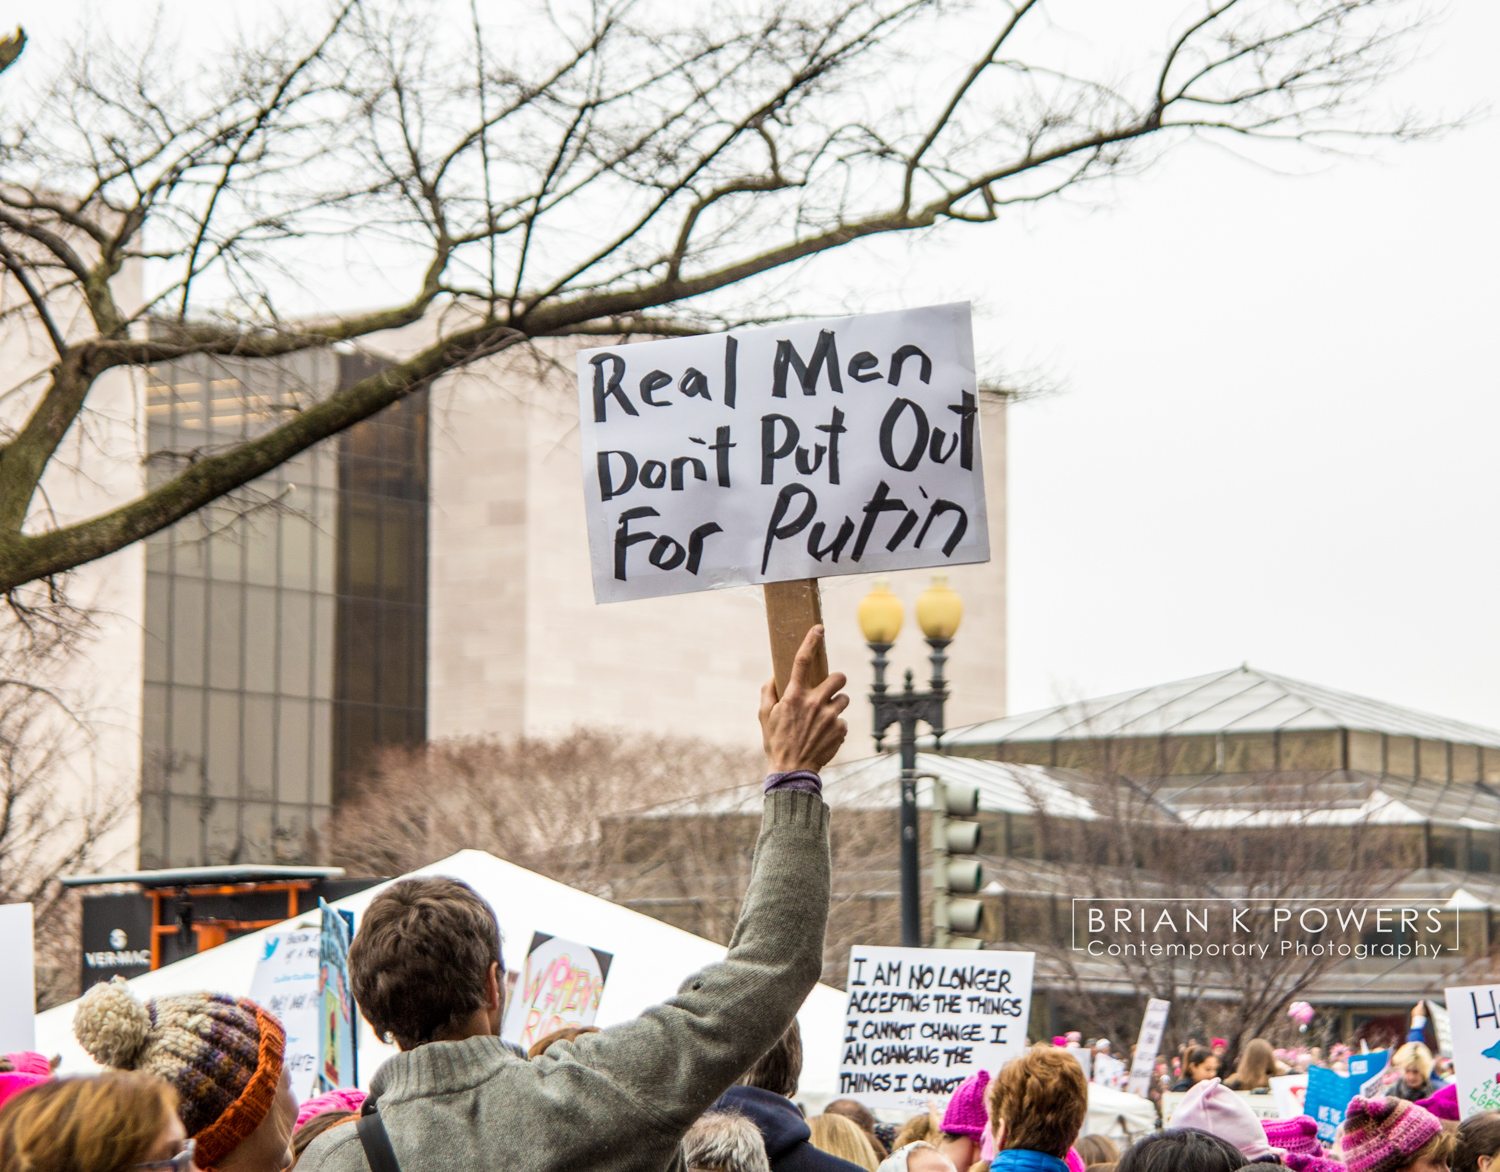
x: 799, y: 779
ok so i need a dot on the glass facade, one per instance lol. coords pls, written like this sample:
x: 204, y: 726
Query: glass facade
x: 248, y: 651
x: 380, y: 677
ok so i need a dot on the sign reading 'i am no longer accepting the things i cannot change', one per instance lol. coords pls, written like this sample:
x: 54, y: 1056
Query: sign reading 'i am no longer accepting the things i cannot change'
x: 921, y: 1020
x: 839, y: 446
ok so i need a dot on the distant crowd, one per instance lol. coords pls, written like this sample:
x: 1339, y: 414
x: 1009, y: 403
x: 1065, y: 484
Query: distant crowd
x: 707, y: 1080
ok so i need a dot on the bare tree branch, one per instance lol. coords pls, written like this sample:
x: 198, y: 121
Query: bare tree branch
x: 599, y: 169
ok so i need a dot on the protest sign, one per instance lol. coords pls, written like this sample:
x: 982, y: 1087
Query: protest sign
x: 17, y: 979
x: 1147, y: 1046
x: 1442, y: 1028
x: 1329, y: 1093
x: 560, y: 987
x: 782, y: 454
x: 921, y: 1020
x: 337, y: 1060
x: 286, y: 983
x: 1474, y: 1023
x: 1290, y: 1093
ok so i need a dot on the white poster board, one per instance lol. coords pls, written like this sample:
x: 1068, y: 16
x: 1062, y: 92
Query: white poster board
x: 286, y: 983
x: 560, y: 987
x: 1147, y: 1046
x: 1290, y: 1094
x: 840, y: 446
x: 1474, y: 1022
x: 919, y: 1021
x: 17, y: 979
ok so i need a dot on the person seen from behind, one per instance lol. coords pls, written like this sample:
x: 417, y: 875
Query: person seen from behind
x: 864, y: 1119
x: 1389, y: 1135
x: 917, y: 1156
x: 843, y: 1138
x: 1094, y: 1150
x: 1037, y: 1104
x: 1198, y: 1064
x: 1256, y: 1067
x: 105, y: 1123
x: 426, y: 969
x: 919, y: 1128
x: 722, y: 1141
x: 1181, y: 1149
x: 965, y: 1121
x: 1478, y: 1147
x: 764, y: 1096
x: 1414, y: 1061
x: 221, y: 1054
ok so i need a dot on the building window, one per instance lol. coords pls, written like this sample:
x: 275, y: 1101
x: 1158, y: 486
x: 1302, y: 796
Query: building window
x: 242, y: 615
x: 381, y: 636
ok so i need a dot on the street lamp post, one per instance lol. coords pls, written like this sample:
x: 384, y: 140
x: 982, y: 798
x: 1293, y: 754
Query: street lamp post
x: 939, y: 611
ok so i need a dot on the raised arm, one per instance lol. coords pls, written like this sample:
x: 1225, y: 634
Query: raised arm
x: 678, y: 1057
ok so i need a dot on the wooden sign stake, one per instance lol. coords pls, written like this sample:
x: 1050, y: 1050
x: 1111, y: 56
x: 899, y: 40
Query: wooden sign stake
x: 792, y: 609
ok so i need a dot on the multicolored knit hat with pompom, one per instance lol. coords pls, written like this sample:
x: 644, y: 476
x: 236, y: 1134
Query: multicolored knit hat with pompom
x: 1381, y: 1135
x: 221, y: 1054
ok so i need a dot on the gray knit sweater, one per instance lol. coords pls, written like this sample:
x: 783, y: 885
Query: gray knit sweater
x: 621, y: 1099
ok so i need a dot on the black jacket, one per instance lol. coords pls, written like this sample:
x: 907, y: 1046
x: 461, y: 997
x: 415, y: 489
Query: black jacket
x: 784, y: 1130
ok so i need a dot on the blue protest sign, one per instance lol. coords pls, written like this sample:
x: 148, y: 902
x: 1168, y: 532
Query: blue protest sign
x: 336, y: 1018
x: 1328, y: 1093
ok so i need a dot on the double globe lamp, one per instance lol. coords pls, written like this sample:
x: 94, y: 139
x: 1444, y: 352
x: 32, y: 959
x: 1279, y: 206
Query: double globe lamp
x: 939, y: 611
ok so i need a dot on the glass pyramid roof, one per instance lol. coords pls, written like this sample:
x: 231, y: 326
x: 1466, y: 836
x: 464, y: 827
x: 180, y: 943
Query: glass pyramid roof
x: 1242, y: 700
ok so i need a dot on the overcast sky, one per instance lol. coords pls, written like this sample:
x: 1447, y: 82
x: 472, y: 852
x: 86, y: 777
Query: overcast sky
x: 1276, y: 438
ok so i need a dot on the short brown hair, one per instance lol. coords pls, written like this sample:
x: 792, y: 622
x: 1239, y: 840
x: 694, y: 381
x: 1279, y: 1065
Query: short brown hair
x: 780, y: 1067
x: 105, y: 1122
x: 421, y: 957
x: 323, y: 1121
x: 1043, y: 1098
x: 1478, y: 1135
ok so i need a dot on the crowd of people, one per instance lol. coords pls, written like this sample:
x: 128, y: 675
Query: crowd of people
x: 705, y: 1081
x: 1413, y: 1072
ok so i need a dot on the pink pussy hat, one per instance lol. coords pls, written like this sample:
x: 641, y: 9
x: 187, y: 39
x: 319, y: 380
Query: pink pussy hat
x: 1381, y: 1135
x: 341, y: 1099
x: 1297, y: 1141
x: 1298, y: 1134
x: 966, y: 1114
x: 13, y: 1082
x: 1212, y: 1107
x: 30, y: 1062
x: 1443, y: 1104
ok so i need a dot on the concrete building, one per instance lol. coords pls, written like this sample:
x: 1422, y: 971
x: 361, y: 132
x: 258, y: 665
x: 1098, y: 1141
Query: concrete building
x: 423, y: 575
x: 1353, y: 800
x: 88, y: 733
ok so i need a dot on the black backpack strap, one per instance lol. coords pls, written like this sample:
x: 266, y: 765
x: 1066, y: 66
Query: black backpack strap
x: 373, y: 1138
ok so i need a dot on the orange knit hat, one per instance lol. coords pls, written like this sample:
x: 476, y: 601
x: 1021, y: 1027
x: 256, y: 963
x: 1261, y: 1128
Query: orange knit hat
x: 221, y: 1054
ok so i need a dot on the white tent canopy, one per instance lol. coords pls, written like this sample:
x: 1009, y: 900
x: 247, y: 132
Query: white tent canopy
x: 651, y: 960
x: 1118, y: 1114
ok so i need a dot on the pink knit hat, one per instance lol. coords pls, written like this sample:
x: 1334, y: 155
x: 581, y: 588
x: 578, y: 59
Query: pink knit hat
x: 966, y: 1114
x: 13, y: 1082
x: 1382, y: 1135
x: 1443, y: 1104
x: 1298, y: 1134
x: 1212, y: 1107
x: 1297, y: 1142
x: 342, y: 1099
x: 30, y: 1062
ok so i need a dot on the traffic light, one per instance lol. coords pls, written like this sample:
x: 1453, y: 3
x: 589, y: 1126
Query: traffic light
x: 954, y: 842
